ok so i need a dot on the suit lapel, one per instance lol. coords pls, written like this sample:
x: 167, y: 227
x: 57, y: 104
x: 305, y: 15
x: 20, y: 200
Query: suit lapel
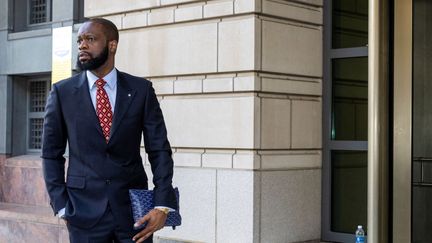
x: 85, y: 105
x: 123, y: 99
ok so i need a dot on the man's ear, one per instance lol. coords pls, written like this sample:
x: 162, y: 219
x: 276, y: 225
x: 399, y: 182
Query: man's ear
x: 113, y: 46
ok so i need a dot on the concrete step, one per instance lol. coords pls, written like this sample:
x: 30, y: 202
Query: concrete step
x: 24, y: 223
x: 21, y: 181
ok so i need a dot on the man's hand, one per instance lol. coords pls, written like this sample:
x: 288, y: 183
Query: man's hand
x: 155, y: 221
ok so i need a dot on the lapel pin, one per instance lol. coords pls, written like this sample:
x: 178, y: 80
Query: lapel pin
x: 129, y: 95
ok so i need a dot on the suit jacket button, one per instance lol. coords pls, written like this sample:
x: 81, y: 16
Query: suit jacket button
x: 108, y: 182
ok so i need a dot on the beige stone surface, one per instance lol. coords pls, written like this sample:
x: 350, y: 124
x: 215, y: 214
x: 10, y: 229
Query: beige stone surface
x: 237, y: 206
x: 218, y: 85
x: 291, y: 49
x: 161, y: 16
x: 289, y: 159
x: 312, y: 2
x: 163, y: 86
x: 167, y: 2
x: 190, y: 158
x: 218, y: 8
x: 245, y: 6
x: 292, y: 85
x: 188, y: 86
x: 275, y: 123
x: 135, y: 19
x: 246, y: 160
x: 293, y: 11
x: 291, y: 205
x: 247, y: 83
x: 93, y: 7
x: 189, y: 12
x: 212, y: 122
x: 237, y: 44
x: 116, y: 19
x: 197, y: 205
x: 306, y: 124
x: 169, y: 50
x: 218, y: 159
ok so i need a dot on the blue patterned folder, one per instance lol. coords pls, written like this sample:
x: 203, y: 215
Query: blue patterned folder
x: 142, y: 202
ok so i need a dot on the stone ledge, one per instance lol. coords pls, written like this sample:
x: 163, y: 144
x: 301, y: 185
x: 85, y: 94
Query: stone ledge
x: 36, y: 214
x: 248, y: 159
x: 294, y: 10
x: 30, y: 161
x: 202, y: 10
x: 158, y: 239
x: 22, y: 181
x: 19, y: 223
x: 236, y: 82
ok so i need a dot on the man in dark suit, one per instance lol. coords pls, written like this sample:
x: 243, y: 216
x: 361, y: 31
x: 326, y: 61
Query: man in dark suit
x: 101, y: 114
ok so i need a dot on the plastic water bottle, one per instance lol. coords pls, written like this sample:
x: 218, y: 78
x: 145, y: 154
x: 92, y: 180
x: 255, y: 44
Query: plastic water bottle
x: 360, y: 234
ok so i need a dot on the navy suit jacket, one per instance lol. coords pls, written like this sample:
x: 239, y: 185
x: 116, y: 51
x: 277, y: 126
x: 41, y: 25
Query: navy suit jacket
x: 101, y: 173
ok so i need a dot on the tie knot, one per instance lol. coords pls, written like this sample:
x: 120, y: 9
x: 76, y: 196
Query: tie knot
x: 100, y: 83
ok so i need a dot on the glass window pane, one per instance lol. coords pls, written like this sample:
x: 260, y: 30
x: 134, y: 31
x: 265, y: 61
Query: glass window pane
x: 349, y: 99
x: 348, y: 190
x: 38, y: 96
x: 38, y: 11
x: 350, y: 23
x: 35, y: 133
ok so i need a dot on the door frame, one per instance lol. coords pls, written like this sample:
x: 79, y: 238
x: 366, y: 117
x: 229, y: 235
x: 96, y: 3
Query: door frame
x: 402, y: 121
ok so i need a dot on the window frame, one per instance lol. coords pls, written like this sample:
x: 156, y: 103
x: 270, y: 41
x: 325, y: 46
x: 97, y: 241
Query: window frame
x: 328, y: 144
x: 34, y: 115
x: 48, y: 14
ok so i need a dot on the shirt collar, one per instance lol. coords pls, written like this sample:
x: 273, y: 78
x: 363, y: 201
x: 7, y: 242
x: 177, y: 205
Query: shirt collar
x: 110, y: 79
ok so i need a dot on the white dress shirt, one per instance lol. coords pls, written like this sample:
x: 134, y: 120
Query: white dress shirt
x: 110, y: 87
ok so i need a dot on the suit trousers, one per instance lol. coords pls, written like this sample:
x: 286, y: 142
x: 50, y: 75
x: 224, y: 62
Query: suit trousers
x: 105, y: 231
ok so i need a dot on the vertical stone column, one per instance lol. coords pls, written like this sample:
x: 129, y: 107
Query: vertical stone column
x: 5, y: 125
x: 6, y: 117
x: 291, y: 107
x: 239, y: 82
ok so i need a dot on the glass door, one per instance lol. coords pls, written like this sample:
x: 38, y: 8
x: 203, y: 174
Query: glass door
x: 412, y: 171
x: 422, y: 122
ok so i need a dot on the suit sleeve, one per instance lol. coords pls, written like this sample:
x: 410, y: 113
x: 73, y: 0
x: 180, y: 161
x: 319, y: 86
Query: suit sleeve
x: 53, y: 148
x: 159, y: 151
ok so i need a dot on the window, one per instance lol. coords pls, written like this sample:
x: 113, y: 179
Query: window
x: 345, y: 113
x: 37, y: 94
x: 39, y: 11
x: 31, y: 15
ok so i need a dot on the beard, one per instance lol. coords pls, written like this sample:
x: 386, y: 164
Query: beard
x: 94, y: 62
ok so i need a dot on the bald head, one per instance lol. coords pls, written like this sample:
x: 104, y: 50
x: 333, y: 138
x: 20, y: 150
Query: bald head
x: 110, y: 30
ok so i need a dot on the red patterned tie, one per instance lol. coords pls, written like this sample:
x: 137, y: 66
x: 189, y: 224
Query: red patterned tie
x: 103, y: 108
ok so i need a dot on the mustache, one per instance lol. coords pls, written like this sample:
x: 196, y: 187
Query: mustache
x: 84, y: 52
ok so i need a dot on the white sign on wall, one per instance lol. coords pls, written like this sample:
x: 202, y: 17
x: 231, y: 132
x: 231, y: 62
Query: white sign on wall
x: 61, y: 53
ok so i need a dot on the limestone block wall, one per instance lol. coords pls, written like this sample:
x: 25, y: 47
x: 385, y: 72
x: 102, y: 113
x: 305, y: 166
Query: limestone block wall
x: 240, y: 85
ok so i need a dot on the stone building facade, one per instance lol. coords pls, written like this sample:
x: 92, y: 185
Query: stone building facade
x: 240, y: 85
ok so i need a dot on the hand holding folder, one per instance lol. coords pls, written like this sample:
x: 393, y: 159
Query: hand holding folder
x: 142, y: 202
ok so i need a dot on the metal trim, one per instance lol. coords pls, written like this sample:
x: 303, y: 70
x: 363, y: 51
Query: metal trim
x: 378, y: 125
x: 402, y: 123
x: 349, y: 52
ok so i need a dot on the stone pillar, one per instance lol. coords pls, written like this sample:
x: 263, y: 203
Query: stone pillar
x: 239, y: 82
x: 6, y: 117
